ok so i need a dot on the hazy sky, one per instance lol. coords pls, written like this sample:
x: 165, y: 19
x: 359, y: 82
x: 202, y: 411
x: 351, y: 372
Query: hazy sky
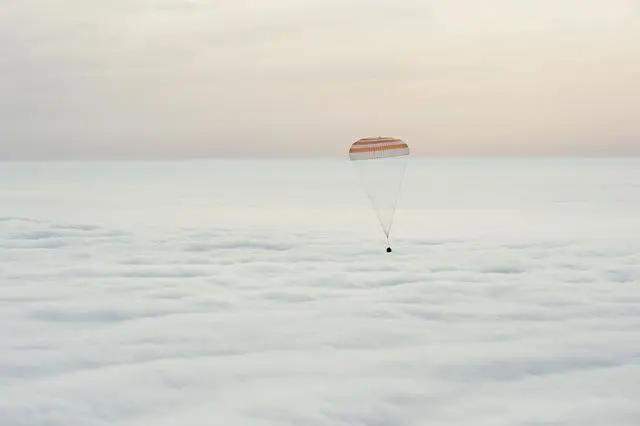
x: 180, y: 78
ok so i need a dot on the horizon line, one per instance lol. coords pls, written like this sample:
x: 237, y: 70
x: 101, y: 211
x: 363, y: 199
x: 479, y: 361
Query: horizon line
x: 308, y: 157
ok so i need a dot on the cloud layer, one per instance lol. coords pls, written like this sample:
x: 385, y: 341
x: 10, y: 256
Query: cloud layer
x: 208, y: 326
x: 259, y: 293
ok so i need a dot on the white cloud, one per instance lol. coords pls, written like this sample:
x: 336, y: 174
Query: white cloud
x: 315, y: 330
x: 139, y: 299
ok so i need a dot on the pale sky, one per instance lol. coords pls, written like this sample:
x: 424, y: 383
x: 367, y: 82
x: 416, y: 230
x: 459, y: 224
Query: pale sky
x: 132, y: 79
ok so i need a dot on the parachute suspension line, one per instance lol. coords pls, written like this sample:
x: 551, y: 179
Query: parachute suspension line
x: 378, y: 215
x: 395, y: 201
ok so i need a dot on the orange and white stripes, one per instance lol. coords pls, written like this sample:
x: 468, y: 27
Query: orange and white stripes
x: 380, y: 147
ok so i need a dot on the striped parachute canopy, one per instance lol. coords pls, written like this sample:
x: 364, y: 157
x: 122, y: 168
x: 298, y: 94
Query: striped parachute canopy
x: 374, y: 148
x: 381, y: 163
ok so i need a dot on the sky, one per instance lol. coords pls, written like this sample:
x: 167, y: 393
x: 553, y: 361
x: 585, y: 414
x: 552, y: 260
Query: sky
x: 144, y: 293
x: 164, y: 79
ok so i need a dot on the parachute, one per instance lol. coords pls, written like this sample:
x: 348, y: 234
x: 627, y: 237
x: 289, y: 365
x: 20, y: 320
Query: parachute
x: 381, y: 163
